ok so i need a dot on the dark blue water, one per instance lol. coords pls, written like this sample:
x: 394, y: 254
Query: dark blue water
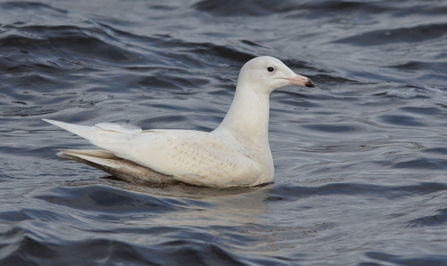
x: 361, y: 161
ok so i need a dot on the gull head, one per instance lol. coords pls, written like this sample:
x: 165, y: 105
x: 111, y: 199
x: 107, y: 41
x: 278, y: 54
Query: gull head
x: 266, y: 74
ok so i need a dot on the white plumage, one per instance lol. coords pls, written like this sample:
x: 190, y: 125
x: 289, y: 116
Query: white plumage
x: 237, y: 153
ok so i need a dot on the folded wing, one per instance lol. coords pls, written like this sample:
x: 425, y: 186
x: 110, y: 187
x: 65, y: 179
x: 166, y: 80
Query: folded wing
x: 193, y: 157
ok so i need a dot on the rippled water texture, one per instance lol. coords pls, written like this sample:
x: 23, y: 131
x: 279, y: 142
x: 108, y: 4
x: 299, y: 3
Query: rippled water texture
x: 361, y: 161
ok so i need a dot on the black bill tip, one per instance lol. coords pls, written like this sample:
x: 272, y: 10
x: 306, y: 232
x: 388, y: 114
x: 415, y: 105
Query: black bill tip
x: 310, y: 83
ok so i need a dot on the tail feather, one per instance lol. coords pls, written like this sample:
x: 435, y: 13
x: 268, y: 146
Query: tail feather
x: 99, y: 157
x: 105, y: 160
x: 107, y: 136
x: 92, y: 153
x: 120, y: 168
x: 83, y: 131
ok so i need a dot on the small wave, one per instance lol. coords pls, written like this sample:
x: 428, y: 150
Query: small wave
x: 419, y: 33
x: 406, y: 94
x: 438, y: 219
x: 244, y: 8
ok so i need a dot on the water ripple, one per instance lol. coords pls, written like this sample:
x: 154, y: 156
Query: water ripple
x: 359, y: 160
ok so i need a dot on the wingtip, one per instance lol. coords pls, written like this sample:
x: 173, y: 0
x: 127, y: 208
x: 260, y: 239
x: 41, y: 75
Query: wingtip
x: 58, y: 123
x: 79, y: 130
x: 50, y: 121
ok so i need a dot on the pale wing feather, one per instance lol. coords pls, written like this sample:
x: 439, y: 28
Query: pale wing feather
x: 195, y: 157
x: 101, y: 131
x: 123, y: 128
x: 190, y: 156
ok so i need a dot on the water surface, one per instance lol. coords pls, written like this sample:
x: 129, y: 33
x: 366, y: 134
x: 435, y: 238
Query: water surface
x: 360, y: 161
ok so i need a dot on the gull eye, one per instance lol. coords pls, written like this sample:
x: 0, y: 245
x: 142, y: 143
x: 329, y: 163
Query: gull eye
x: 270, y: 69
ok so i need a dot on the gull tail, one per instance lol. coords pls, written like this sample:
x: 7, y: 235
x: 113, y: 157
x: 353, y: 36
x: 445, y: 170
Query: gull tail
x: 83, y: 131
x: 108, y: 136
x: 120, y: 168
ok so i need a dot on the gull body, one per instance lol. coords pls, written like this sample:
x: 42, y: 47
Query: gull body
x: 235, y: 154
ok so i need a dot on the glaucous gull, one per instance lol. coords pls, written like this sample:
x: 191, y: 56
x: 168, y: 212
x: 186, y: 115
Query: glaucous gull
x: 235, y: 154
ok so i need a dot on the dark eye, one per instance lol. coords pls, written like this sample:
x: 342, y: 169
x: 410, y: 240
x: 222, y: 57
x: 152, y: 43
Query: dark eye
x: 270, y: 69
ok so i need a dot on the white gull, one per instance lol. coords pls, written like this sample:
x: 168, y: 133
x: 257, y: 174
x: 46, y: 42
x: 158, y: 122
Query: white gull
x: 236, y: 154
